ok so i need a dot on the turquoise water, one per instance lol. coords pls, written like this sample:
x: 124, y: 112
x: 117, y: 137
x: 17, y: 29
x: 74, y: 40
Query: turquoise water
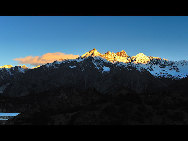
x: 3, y: 119
x: 6, y: 116
x: 9, y: 114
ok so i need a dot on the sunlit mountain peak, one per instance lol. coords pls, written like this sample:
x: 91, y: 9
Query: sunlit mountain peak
x: 6, y: 66
x: 140, y: 58
x: 10, y: 66
x: 110, y: 56
x: 92, y: 53
x: 165, y: 59
x: 24, y: 67
x: 35, y: 67
x: 122, y: 53
x: 120, y: 57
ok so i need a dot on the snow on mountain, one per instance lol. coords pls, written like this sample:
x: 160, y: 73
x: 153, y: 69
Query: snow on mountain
x: 91, y: 53
x: 156, y: 66
x: 106, y: 69
x: 140, y: 58
x: 6, y: 66
x: 21, y: 70
x: 169, y: 69
x: 72, y: 67
x: 35, y: 67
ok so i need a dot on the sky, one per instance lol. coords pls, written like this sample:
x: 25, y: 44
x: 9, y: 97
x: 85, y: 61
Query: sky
x: 43, y: 37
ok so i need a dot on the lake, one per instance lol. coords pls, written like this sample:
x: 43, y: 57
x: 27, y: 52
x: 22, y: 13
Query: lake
x: 6, y: 116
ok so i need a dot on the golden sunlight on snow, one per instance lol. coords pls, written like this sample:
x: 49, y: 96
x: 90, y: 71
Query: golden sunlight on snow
x: 35, y: 67
x: 6, y: 66
x: 120, y: 57
x: 140, y: 58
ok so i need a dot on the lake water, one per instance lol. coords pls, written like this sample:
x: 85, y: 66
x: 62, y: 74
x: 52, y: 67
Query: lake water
x: 6, y: 116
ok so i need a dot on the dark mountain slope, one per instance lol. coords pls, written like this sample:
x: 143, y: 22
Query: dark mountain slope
x: 94, y: 91
x: 84, y: 75
x: 70, y: 106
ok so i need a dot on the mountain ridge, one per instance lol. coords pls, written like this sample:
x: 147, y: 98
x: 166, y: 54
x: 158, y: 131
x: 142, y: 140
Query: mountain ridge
x: 93, y: 90
x: 110, y: 56
x: 155, y: 65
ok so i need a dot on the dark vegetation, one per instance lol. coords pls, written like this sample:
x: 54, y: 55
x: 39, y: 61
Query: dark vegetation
x: 77, y: 107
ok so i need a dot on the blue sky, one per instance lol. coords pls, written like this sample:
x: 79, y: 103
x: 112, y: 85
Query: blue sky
x: 160, y: 36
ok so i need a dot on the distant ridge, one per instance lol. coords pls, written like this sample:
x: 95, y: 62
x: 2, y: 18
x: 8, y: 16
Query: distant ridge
x: 110, y: 56
x: 156, y: 66
x: 122, y: 57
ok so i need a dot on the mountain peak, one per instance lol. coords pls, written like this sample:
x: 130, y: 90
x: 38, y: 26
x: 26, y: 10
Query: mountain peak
x: 122, y: 53
x: 6, y: 66
x: 140, y: 54
x: 10, y: 66
x: 121, y: 56
x: 93, y: 50
x: 24, y: 67
x: 140, y: 58
x: 92, y: 53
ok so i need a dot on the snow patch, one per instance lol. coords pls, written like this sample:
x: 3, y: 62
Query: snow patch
x: 106, y: 69
x: 21, y: 70
x: 72, y: 67
x: 48, y: 65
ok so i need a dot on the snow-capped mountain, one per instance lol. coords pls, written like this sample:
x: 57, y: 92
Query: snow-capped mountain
x: 104, y: 72
x: 10, y: 67
x: 156, y: 66
x: 8, y: 71
x: 108, y: 82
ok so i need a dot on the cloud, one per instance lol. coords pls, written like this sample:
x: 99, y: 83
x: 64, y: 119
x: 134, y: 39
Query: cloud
x: 46, y: 58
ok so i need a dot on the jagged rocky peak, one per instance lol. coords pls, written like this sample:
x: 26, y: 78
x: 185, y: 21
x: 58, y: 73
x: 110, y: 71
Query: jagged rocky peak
x: 24, y: 67
x: 123, y: 57
x: 10, y: 66
x: 152, y: 58
x: 92, y: 53
x: 110, y: 56
x: 6, y: 66
x: 140, y: 58
x: 108, y: 53
x: 122, y: 53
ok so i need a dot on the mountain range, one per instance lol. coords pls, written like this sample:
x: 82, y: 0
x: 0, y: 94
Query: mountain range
x: 89, y: 89
x: 156, y: 66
